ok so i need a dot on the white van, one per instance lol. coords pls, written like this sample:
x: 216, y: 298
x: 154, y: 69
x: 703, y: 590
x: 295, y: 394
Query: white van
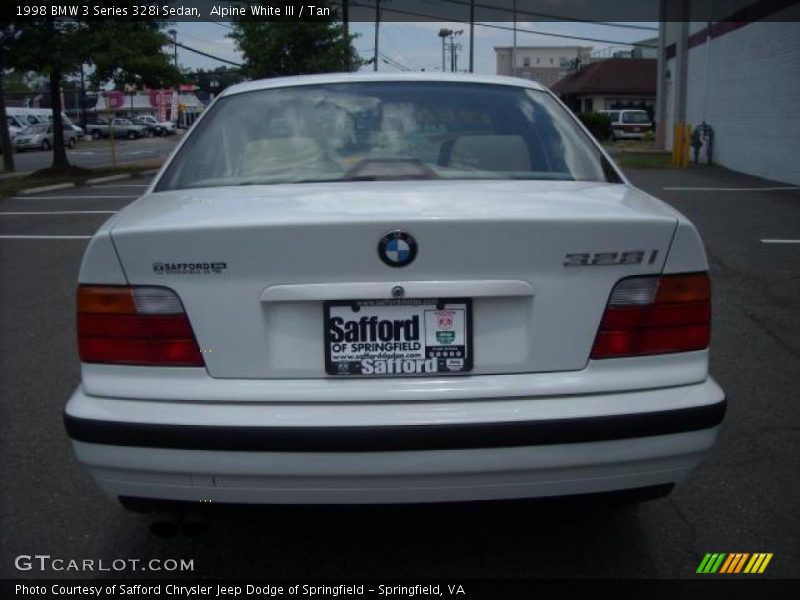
x: 629, y: 124
x: 18, y: 119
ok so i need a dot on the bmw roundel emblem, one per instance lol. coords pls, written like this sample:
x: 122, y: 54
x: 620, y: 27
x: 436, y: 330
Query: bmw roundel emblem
x: 397, y: 249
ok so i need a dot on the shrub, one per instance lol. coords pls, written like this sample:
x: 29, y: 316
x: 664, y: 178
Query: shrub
x: 598, y: 124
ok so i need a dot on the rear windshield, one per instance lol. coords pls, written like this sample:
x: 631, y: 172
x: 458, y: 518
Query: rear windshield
x: 384, y: 130
x: 635, y: 117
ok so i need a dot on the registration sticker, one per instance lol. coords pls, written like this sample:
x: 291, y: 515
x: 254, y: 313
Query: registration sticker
x: 404, y: 337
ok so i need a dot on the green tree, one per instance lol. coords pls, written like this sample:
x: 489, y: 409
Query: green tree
x: 291, y: 47
x: 17, y: 82
x: 51, y: 48
x: 130, y: 53
x: 121, y: 51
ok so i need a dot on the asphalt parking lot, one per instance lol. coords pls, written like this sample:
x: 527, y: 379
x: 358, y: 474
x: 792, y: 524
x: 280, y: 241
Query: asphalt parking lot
x: 89, y: 153
x: 742, y: 499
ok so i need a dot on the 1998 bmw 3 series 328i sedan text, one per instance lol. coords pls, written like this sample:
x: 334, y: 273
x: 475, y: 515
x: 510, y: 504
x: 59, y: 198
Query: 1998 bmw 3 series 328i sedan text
x: 357, y: 289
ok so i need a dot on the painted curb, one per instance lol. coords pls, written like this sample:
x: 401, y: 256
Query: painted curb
x: 97, y: 180
x: 45, y: 188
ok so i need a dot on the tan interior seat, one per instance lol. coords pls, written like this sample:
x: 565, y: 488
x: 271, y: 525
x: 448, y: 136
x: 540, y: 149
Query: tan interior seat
x: 487, y: 153
x: 274, y: 157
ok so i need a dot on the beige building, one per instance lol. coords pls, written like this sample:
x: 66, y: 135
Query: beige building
x: 613, y: 83
x: 545, y: 64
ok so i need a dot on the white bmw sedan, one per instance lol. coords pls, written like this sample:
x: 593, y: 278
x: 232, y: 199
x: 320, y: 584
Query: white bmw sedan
x: 364, y: 289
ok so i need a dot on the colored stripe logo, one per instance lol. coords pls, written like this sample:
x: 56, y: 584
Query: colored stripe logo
x: 734, y: 563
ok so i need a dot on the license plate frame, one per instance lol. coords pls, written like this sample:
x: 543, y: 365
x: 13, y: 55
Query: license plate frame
x: 455, y: 358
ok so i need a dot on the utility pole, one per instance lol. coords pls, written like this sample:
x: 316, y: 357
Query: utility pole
x: 346, y: 30
x: 377, y: 30
x: 174, y: 35
x: 514, y: 47
x: 471, y: 36
x: 454, y: 49
x: 83, y: 99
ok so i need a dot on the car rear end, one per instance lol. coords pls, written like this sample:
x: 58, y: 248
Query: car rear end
x: 632, y: 125
x: 412, y: 330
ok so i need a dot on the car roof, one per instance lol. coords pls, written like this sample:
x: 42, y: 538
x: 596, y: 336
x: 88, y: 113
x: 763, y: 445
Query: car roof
x: 328, y: 78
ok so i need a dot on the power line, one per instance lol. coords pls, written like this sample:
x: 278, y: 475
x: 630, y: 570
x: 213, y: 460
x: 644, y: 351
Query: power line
x: 395, y: 63
x: 548, y: 16
x: 508, y: 28
x: 207, y: 55
x: 497, y: 9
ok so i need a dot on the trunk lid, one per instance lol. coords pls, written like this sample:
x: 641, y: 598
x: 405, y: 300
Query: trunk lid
x: 253, y: 265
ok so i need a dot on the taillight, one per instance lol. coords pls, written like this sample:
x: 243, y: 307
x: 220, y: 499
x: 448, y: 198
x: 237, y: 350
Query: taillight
x: 144, y: 326
x: 655, y: 315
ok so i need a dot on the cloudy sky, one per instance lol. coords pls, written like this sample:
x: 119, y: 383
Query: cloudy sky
x: 416, y: 46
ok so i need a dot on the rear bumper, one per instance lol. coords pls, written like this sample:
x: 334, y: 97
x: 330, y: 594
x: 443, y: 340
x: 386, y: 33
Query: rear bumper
x: 415, y: 452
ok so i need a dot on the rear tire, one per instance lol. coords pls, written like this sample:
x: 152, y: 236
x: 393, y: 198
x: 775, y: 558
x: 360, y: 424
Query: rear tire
x: 45, y: 145
x: 131, y: 135
x: 95, y: 135
x: 71, y: 143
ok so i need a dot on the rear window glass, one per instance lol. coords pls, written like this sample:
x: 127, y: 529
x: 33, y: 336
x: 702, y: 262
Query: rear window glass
x: 635, y: 117
x: 384, y: 130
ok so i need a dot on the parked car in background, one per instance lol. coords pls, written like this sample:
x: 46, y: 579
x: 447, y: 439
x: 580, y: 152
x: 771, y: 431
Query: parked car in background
x: 78, y: 130
x: 120, y: 127
x: 14, y: 127
x: 40, y: 137
x: 156, y: 126
x: 416, y: 287
x: 629, y: 124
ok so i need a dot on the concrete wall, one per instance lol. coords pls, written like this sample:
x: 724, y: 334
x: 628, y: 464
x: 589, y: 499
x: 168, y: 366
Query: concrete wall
x: 746, y: 85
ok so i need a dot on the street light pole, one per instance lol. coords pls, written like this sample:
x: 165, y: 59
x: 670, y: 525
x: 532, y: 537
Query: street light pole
x: 174, y: 35
x: 444, y: 33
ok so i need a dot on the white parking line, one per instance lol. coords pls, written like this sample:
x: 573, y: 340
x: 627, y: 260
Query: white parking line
x: 58, y: 212
x: 780, y: 241
x: 134, y: 185
x: 45, y: 237
x: 720, y: 189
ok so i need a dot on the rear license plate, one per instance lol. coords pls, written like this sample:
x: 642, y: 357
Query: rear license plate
x: 404, y: 337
